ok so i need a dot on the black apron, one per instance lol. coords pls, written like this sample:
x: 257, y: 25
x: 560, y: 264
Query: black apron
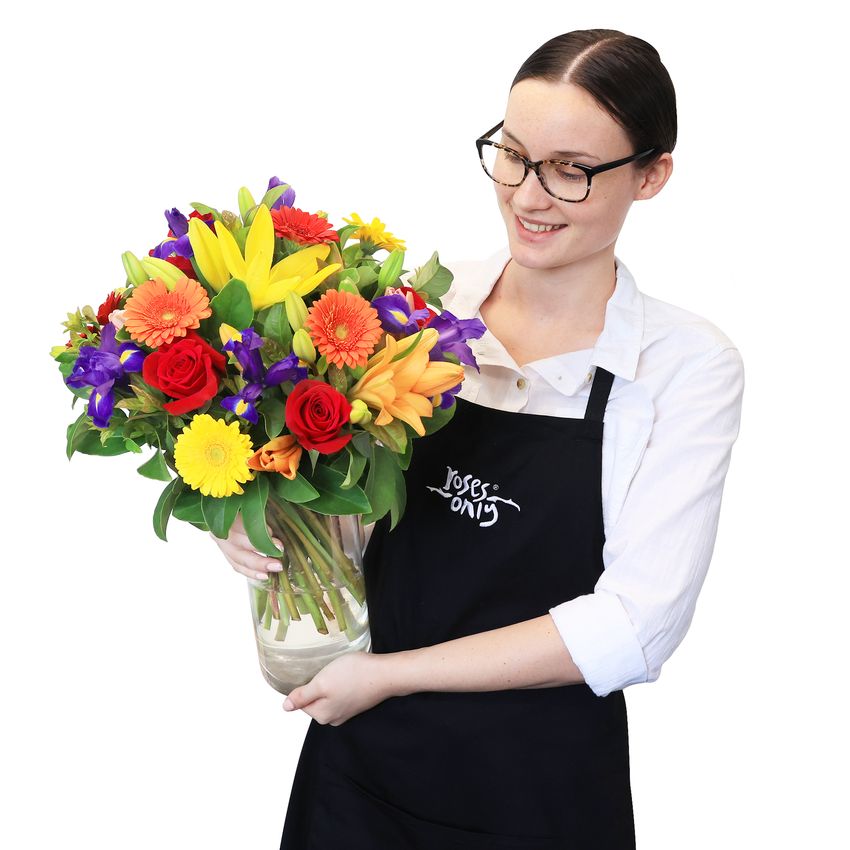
x: 503, y: 521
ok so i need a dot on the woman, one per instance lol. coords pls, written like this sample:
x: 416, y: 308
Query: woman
x: 560, y: 565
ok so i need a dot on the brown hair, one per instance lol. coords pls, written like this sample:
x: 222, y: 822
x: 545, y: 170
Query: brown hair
x: 623, y: 73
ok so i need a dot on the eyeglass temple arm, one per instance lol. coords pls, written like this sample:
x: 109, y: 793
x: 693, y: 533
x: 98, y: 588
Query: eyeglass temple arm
x: 490, y: 132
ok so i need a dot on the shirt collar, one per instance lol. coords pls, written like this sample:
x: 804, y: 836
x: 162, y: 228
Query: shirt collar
x: 617, y: 348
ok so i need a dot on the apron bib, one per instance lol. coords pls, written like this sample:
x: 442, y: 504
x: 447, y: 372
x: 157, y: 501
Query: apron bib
x: 503, y: 521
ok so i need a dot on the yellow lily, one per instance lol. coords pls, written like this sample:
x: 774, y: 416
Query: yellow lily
x: 220, y: 260
x: 402, y: 389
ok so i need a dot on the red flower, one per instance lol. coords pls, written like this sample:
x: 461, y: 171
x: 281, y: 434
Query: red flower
x: 111, y: 303
x: 315, y: 412
x: 184, y: 264
x: 187, y: 369
x: 418, y: 304
x: 300, y: 226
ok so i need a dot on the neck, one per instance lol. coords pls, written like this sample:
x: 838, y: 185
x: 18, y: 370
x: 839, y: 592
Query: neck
x: 576, y: 293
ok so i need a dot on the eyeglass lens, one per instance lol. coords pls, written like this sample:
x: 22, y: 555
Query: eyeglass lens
x: 565, y: 181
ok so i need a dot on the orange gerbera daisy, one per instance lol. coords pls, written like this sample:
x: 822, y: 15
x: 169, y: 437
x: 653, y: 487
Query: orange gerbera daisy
x: 344, y: 327
x: 303, y: 227
x: 155, y: 314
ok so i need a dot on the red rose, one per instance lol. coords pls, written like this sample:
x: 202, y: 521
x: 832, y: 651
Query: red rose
x: 315, y: 412
x: 187, y: 369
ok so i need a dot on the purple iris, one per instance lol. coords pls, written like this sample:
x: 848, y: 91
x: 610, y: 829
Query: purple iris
x: 257, y: 377
x: 103, y: 367
x: 453, y: 335
x: 287, y: 199
x: 396, y: 315
x: 179, y: 226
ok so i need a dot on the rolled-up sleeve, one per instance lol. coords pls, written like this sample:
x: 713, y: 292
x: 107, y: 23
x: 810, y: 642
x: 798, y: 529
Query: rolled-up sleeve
x: 657, y: 554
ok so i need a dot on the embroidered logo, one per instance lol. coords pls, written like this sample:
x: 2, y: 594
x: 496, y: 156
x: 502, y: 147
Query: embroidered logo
x: 468, y: 495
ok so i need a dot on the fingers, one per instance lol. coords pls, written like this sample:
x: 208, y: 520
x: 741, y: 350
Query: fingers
x: 244, y: 558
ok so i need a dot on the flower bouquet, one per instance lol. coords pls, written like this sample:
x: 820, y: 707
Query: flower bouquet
x: 280, y: 372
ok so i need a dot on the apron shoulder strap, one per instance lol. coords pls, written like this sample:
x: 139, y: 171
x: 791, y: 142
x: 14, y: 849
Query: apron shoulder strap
x: 599, y: 390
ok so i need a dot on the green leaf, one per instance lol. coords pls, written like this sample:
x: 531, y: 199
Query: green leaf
x: 440, y: 416
x: 333, y: 498
x: 203, y: 209
x: 188, y: 507
x: 231, y: 306
x: 253, y: 509
x: 356, y: 465
x: 274, y: 415
x: 398, y: 504
x: 276, y: 325
x: 393, y: 435
x: 82, y: 437
x: 403, y: 458
x: 345, y: 232
x: 155, y: 468
x: 165, y: 506
x: 220, y: 512
x: 132, y: 445
x: 314, y: 457
x: 382, y: 482
x: 362, y: 441
x: 299, y: 490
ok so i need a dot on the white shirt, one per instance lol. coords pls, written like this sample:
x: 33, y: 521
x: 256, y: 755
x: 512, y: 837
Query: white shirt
x: 673, y: 414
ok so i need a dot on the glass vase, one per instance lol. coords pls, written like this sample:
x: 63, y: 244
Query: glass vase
x: 314, y: 609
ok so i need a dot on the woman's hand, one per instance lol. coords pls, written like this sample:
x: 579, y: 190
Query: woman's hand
x: 348, y: 685
x: 242, y: 556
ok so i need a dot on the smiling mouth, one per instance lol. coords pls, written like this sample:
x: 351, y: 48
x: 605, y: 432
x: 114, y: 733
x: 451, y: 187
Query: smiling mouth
x: 530, y: 227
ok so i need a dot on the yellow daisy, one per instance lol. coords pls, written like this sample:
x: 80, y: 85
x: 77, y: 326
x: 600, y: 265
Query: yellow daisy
x: 375, y: 232
x: 212, y: 456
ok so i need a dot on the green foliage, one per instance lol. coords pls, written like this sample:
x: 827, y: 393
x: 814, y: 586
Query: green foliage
x: 220, y: 512
x: 165, y: 506
x: 432, y: 280
x: 155, y: 468
x: 253, y: 509
x: 333, y: 498
x: 231, y: 306
x: 275, y: 325
x: 274, y: 414
x: 299, y: 490
x: 383, y: 483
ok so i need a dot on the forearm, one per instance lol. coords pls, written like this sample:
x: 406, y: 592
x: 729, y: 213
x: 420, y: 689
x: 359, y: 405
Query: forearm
x: 530, y: 654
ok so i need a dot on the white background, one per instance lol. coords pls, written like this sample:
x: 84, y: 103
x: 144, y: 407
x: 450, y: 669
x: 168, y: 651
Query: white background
x: 134, y: 712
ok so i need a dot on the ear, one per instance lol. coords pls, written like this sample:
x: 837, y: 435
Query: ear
x: 652, y: 178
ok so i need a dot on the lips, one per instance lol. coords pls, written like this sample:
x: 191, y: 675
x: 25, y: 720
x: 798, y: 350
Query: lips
x: 532, y: 236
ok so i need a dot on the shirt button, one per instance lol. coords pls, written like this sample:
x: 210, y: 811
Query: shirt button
x: 521, y: 383
x: 589, y: 377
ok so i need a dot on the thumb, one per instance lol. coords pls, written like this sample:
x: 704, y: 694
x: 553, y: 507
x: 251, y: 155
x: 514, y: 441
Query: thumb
x: 299, y: 697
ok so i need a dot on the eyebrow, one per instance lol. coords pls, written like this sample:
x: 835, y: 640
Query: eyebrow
x: 513, y: 138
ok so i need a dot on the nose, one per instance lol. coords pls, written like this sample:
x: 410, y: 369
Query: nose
x: 531, y: 193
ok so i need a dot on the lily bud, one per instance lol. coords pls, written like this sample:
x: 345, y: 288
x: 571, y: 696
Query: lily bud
x: 228, y: 332
x: 296, y: 310
x: 390, y: 269
x: 246, y: 202
x: 303, y: 346
x: 360, y: 413
x: 135, y: 273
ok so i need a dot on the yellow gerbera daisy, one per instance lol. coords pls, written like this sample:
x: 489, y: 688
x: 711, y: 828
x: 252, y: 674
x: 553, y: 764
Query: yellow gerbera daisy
x: 212, y: 456
x: 375, y: 232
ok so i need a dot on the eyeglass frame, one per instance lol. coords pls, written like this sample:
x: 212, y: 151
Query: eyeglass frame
x: 589, y: 171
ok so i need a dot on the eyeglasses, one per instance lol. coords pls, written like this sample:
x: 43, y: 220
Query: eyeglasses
x: 562, y: 179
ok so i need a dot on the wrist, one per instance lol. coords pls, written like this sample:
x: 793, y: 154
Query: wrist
x: 396, y: 674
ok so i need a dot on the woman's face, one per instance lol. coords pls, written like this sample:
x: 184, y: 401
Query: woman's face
x: 541, y: 119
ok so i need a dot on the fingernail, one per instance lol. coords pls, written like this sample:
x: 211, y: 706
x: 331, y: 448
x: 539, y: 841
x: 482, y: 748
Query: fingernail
x: 274, y: 565
x: 262, y: 576
x: 288, y: 704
